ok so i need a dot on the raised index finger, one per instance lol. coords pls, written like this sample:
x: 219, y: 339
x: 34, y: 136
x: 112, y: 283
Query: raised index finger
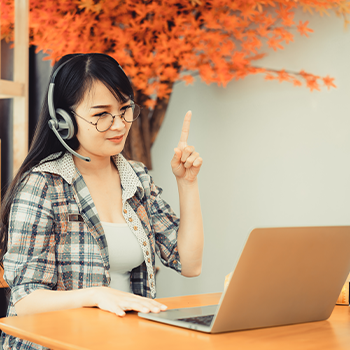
x: 185, y: 129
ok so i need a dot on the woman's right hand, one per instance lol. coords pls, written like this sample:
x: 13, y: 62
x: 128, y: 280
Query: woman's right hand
x: 118, y: 302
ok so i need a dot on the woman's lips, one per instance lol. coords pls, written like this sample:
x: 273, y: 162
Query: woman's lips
x: 117, y: 139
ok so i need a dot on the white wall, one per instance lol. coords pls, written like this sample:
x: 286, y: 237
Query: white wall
x: 274, y: 154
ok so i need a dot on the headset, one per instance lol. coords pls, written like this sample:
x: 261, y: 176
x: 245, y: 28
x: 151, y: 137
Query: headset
x: 60, y: 121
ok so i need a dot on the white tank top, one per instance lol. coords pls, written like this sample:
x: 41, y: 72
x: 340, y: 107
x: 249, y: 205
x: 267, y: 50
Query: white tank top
x: 124, y: 252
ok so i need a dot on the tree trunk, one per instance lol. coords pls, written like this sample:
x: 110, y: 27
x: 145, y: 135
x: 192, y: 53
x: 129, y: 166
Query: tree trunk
x: 144, y: 130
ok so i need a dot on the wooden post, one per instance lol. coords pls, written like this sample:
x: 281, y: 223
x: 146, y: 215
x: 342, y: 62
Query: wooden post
x: 21, y: 63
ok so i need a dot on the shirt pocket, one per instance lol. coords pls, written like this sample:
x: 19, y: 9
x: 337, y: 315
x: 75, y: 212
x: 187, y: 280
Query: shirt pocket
x: 69, y: 251
x: 79, y: 262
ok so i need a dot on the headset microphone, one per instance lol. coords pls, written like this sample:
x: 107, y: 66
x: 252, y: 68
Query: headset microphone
x: 61, y: 122
x: 53, y: 124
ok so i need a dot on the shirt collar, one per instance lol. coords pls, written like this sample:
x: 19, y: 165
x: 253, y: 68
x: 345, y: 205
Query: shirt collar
x: 131, y: 183
x: 65, y: 167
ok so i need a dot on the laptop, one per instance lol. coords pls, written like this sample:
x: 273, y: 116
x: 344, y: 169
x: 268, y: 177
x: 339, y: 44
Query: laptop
x: 283, y: 276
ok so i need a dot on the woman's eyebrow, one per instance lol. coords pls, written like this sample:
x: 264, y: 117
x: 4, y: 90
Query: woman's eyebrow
x: 107, y: 106
x: 101, y: 106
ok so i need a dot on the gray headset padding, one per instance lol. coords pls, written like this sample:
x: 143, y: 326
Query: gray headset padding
x: 50, y: 101
x: 65, y: 124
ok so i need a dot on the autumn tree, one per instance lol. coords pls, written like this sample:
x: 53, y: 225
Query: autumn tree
x: 159, y: 42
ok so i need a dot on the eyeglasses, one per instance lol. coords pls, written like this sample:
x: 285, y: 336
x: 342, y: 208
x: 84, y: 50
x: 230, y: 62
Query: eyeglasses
x: 105, y: 120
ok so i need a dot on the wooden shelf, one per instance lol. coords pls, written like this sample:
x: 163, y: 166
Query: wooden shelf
x: 10, y: 89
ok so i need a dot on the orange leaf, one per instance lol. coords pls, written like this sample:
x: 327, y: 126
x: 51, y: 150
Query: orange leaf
x: 312, y: 84
x: 269, y: 76
x: 328, y: 81
x: 303, y: 29
x: 150, y: 103
x: 188, y: 79
x: 297, y: 82
x: 275, y: 43
x: 283, y: 76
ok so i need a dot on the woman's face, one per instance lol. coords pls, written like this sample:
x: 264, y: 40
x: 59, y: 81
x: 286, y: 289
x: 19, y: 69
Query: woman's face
x: 92, y: 142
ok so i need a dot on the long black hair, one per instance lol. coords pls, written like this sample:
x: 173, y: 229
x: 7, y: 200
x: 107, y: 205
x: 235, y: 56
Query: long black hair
x: 73, y: 80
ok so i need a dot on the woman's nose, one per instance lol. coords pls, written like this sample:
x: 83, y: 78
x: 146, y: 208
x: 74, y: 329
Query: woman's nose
x: 118, y: 123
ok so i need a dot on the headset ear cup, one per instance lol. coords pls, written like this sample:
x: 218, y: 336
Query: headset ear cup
x: 65, y: 124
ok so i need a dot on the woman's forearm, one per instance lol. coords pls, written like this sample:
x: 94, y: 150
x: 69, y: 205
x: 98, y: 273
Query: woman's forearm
x: 105, y: 298
x: 43, y: 300
x: 190, y: 235
x: 185, y: 165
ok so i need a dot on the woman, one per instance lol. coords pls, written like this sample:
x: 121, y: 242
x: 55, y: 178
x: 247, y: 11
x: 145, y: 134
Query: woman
x: 85, y: 233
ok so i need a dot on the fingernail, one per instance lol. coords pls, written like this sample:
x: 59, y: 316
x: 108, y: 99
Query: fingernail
x: 155, y: 309
x: 163, y: 307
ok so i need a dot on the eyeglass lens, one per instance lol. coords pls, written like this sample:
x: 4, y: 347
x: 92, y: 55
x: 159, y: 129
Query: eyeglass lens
x: 129, y: 115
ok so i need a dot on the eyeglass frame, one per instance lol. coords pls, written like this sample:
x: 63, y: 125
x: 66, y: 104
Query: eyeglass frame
x: 122, y: 115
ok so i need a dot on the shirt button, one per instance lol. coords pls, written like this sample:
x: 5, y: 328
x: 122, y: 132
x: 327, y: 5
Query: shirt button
x: 125, y: 211
x: 151, y: 276
x: 135, y: 228
x: 152, y: 284
x: 147, y: 253
x: 130, y: 219
x: 148, y: 260
x: 144, y: 243
x: 175, y: 261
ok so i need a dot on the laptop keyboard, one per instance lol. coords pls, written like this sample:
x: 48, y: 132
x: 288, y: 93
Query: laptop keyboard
x: 202, y: 320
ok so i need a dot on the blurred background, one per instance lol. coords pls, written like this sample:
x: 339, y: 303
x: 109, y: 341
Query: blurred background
x: 274, y: 154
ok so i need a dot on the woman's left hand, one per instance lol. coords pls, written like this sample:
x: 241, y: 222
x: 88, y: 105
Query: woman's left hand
x: 186, y: 162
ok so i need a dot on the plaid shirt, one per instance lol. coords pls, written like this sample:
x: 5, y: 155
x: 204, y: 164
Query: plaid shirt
x: 56, y: 240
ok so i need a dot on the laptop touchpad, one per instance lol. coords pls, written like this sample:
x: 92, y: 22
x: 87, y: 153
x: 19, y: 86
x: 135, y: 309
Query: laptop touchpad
x: 175, y: 314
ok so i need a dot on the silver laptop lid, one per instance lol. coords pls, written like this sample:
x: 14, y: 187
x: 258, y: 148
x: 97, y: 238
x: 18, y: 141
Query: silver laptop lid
x: 285, y: 276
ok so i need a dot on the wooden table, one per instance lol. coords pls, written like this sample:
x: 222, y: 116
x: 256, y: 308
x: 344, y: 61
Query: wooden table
x: 91, y: 328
